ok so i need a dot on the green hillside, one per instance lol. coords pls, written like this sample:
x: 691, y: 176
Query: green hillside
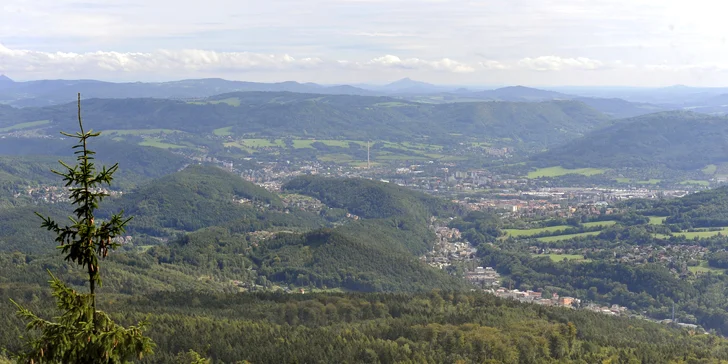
x: 280, y: 114
x: 703, y: 209
x: 437, y: 327
x: 370, y: 199
x: 676, y: 140
x: 197, y: 197
x: 31, y: 160
x: 358, y: 262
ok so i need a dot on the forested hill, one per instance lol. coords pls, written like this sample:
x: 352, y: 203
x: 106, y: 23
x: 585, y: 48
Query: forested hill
x: 332, y: 116
x: 197, y: 197
x: 31, y: 159
x: 371, y: 199
x: 702, y: 209
x: 676, y: 139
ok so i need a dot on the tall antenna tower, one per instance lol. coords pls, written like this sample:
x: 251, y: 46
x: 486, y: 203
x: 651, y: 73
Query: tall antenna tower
x: 368, y: 163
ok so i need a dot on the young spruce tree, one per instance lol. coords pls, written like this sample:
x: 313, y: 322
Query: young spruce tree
x: 82, y: 334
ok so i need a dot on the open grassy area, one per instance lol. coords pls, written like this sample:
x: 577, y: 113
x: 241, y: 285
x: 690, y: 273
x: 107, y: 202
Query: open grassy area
x: 695, y: 182
x: 335, y: 158
x: 561, y: 257
x: 645, y: 182
x: 561, y: 171
x: 223, y: 131
x: 656, y: 220
x: 262, y: 143
x: 391, y: 104
x: 21, y: 126
x: 710, y: 169
x: 531, y: 232
x: 551, y: 239
x: 705, y: 268
x: 157, y: 143
x: 139, y: 131
x: 232, y: 101
x: 702, y: 234
x: 303, y: 143
x: 649, y: 182
x: 599, y: 223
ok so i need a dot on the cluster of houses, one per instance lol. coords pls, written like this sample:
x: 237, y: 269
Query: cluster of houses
x: 536, y: 297
x: 56, y: 194
x: 485, y: 277
x: 448, y: 248
x: 676, y: 256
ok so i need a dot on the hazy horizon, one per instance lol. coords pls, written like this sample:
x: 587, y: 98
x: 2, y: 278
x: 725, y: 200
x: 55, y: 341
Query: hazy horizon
x: 526, y: 42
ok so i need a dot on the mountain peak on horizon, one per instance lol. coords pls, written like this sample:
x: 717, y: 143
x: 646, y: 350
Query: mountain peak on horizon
x: 408, y: 82
x: 5, y: 79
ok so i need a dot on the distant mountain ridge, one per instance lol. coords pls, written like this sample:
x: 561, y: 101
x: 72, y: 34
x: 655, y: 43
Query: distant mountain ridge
x: 279, y: 114
x: 675, y: 139
x: 55, y: 92
x: 52, y: 92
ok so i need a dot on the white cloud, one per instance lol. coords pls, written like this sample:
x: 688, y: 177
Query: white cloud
x: 170, y: 64
x: 554, y: 63
x: 189, y: 60
x: 45, y: 64
x: 444, y: 64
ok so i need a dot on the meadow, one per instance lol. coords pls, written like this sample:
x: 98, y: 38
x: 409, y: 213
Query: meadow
x: 551, y: 239
x: 705, y: 268
x: 561, y: 171
x: 21, y: 126
x: 561, y: 257
x: 702, y: 234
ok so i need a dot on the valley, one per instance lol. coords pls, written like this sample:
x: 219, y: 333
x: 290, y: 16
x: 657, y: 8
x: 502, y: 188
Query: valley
x: 341, y: 212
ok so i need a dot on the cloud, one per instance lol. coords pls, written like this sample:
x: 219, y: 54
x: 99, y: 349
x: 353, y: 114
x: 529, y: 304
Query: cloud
x: 444, y: 64
x: 554, y: 63
x: 189, y: 60
x: 14, y: 61
x: 166, y: 64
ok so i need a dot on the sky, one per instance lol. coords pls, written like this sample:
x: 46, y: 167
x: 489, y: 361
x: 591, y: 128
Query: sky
x: 456, y: 42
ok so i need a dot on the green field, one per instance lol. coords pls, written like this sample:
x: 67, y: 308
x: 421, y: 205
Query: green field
x: 695, y: 182
x: 656, y: 220
x: 531, y: 232
x: 303, y: 143
x: 551, y: 239
x: 645, y: 182
x: 599, y: 223
x: 336, y: 158
x: 649, y: 182
x: 262, y: 143
x: 138, y: 132
x: 21, y: 126
x: 705, y: 268
x: 561, y: 257
x: 561, y: 171
x: 702, y: 234
x: 157, y: 143
x: 223, y: 131
x: 391, y: 104
x: 710, y: 169
x: 232, y: 101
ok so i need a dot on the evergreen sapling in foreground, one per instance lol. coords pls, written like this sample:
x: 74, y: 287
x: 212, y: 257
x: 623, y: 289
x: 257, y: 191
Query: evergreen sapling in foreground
x: 82, y: 334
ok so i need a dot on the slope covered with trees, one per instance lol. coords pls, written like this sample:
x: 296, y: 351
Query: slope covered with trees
x: 371, y: 199
x: 277, y: 114
x: 440, y: 327
x: 197, y: 197
x: 676, y: 140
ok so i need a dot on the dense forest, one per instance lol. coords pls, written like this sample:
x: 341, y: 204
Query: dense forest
x: 216, y: 256
x: 280, y: 114
x: 676, y: 139
x: 435, y: 327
